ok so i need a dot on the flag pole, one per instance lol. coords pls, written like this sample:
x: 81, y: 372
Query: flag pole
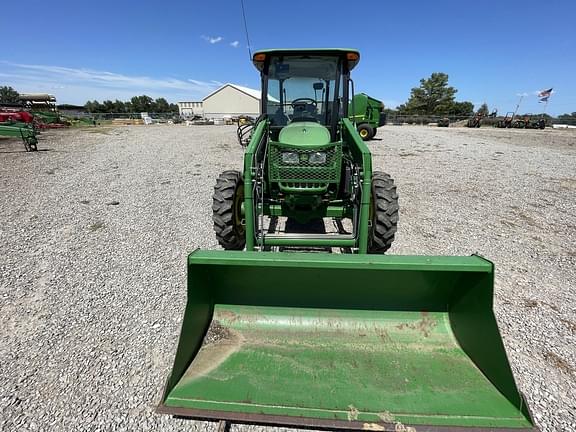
x: 545, y: 94
x: 547, y: 100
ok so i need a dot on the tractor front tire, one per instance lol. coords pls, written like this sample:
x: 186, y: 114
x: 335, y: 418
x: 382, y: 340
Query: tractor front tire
x: 366, y: 131
x: 383, y: 213
x: 227, y: 210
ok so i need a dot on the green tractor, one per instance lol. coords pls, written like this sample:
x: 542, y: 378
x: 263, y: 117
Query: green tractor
x: 357, y: 340
x: 368, y: 114
x: 306, y: 162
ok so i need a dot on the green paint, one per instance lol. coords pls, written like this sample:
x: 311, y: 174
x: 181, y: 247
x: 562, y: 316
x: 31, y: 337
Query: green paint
x: 365, y: 109
x: 305, y: 134
x: 311, y: 334
x: 26, y: 133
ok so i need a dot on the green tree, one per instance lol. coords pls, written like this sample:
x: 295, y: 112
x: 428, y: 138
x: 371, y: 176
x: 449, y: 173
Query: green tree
x: 484, y: 109
x: 119, y: 106
x: 108, y: 106
x: 93, y: 106
x: 8, y: 95
x: 136, y: 104
x: 461, y: 109
x: 433, y: 97
x: 160, y: 105
x: 141, y: 103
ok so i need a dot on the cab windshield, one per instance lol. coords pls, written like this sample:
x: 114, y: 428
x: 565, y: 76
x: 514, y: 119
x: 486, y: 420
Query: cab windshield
x: 302, y: 88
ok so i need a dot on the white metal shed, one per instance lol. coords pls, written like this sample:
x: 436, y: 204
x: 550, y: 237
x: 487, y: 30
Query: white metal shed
x: 231, y: 100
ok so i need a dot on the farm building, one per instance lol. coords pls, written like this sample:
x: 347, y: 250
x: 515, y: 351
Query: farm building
x: 189, y: 109
x: 231, y: 100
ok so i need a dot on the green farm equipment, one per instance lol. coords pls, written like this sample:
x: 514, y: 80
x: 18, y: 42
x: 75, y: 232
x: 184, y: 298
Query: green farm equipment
x: 23, y: 131
x: 356, y: 340
x: 368, y: 114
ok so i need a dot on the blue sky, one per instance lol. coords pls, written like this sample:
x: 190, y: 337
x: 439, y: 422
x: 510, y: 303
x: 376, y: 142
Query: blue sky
x: 492, y: 51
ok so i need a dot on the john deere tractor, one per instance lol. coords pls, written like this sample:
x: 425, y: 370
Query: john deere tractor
x: 306, y: 162
x: 357, y: 340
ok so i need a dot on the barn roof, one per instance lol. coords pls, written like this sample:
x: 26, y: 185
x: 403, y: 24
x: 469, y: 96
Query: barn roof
x: 250, y: 92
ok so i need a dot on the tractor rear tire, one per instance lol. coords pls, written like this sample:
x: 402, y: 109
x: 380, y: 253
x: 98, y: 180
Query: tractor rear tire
x: 366, y: 131
x: 384, y: 213
x: 227, y: 210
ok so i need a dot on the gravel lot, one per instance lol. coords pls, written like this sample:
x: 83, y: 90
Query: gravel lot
x: 95, y: 229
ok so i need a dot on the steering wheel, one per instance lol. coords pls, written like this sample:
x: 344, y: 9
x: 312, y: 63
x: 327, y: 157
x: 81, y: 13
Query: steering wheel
x: 306, y: 101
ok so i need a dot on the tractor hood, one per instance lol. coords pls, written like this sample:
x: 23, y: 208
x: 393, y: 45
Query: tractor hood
x: 305, y: 134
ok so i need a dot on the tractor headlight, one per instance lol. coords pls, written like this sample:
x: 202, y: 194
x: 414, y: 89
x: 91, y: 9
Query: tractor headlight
x: 317, y: 158
x: 290, y: 158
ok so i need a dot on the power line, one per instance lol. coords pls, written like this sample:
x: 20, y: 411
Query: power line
x: 246, y: 29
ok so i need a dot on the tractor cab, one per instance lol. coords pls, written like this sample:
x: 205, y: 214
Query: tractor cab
x: 305, y: 86
x: 304, y: 99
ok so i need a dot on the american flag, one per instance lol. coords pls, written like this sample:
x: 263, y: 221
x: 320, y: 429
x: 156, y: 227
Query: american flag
x: 544, y: 95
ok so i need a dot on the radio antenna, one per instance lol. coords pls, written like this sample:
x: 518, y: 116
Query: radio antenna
x: 246, y: 29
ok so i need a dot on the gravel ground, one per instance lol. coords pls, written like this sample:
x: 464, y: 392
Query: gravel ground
x: 94, y: 232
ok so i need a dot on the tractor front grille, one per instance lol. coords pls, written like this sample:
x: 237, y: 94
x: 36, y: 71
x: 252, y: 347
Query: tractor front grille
x: 304, y: 174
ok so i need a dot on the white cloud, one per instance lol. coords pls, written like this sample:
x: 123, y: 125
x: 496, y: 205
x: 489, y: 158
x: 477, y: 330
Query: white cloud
x: 212, y: 39
x: 76, y: 85
x: 235, y: 44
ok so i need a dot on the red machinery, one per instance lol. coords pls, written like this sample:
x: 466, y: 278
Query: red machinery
x: 16, y: 116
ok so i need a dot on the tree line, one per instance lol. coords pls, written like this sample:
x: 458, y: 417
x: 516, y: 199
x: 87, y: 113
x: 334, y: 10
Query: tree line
x: 135, y: 104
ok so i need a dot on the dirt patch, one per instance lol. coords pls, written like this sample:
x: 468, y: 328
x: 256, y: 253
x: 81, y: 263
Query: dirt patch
x: 382, y: 333
x: 373, y: 427
x: 424, y: 325
x: 568, y: 183
x: 352, y: 413
x: 216, y: 333
x: 96, y: 226
x: 570, y: 324
x: 559, y: 362
x: 386, y: 417
x: 226, y: 316
x: 219, y: 344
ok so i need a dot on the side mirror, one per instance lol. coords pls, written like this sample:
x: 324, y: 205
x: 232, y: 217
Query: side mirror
x: 318, y: 85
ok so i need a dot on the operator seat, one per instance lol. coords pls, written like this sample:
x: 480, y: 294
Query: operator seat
x: 279, y: 118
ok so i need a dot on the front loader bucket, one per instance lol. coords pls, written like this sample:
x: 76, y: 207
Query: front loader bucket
x: 343, y: 341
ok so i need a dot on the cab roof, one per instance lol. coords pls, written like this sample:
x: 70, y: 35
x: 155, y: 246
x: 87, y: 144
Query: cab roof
x: 352, y: 62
